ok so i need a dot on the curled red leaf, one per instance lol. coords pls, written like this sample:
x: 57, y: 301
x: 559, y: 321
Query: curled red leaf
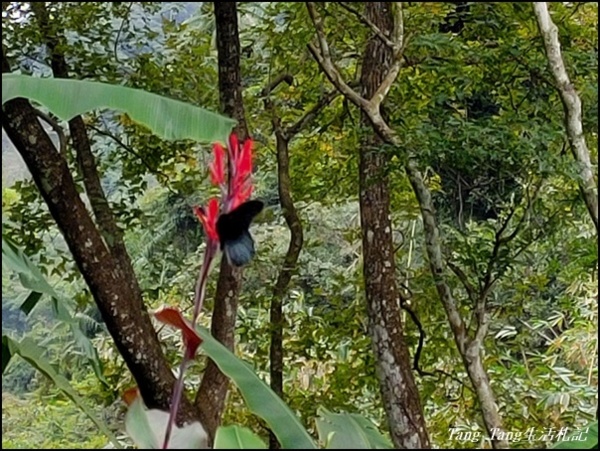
x: 173, y: 317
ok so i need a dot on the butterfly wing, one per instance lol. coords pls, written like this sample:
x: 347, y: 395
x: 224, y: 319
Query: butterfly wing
x: 232, y: 228
x: 241, y: 250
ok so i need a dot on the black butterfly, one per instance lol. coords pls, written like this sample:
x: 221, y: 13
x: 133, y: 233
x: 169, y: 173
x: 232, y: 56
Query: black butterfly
x: 232, y: 228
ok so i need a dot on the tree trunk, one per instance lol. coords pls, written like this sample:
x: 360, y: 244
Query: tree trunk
x: 485, y: 395
x: 469, y: 349
x: 285, y: 274
x: 375, y: 89
x: 114, y: 291
x: 398, y: 389
x: 212, y: 393
x: 572, y: 106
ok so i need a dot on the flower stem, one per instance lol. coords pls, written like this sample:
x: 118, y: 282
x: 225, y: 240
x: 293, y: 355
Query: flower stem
x: 199, y: 293
x: 209, y: 254
x: 176, y: 400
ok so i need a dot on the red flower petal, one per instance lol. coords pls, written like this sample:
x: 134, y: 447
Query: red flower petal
x: 233, y: 146
x: 213, y: 209
x: 173, y: 317
x: 244, y: 163
x: 208, y: 218
x: 242, y: 192
x: 217, y: 168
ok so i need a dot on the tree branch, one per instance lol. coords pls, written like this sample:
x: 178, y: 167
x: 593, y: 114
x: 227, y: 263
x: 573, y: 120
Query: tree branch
x: 323, y: 57
x: 311, y: 114
x: 131, y: 150
x: 292, y: 219
x: 399, y: 44
x: 433, y: 245
x: 62, y: 139
x: 121, y: 306
x: 464, y: 280
x: 364, y: 19
x: 398, y: 32
x: 572, y: 107
x: 211, y: 395
x: 107, y: 225
x: 434, y: 251
x: 283, y: 77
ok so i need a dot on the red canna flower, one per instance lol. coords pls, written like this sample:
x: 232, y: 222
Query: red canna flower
x: 237, y: 244
x: 239, y: 187
x: 208, y: 217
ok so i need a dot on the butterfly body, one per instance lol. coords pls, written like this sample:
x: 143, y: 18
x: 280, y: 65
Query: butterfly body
x: 236, y: 242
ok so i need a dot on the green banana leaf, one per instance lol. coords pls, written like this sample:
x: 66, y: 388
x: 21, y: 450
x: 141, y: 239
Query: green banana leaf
x: 237, y: 437
x: 349, y: 431
x: 260, y: 399
x: 168, y: 118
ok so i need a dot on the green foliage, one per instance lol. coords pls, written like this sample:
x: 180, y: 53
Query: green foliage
x: 585, y: 439
x: 478, y: 108
x: 51, y: 422
x: 33, y: 354
x: 258, y: 396
x: 349, y: 431
x: 69, y: 98
x: 236, y: 437
x: 32, y: 279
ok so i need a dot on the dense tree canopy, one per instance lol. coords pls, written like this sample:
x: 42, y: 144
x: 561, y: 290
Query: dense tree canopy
x: 427, y: 255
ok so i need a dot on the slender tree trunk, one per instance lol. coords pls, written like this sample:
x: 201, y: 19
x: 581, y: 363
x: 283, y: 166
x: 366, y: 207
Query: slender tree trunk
x: 572, y: 106
x: 114, y: 291
x: 86, y: 161
x: 212, y: 393
x: 399, y: 392
x: 469, y: 348
x: 373, y: 165
x: 485, y: 395
x: 283, y: 137
x: 285, y: 274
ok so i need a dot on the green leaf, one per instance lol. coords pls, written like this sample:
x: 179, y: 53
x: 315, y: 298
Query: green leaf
x: 147, y: 428
x: 33, y: 279
x: 30, y: 302
x: 237, y: 437
x: 349, y: 431
x: 261, y: 400
x: 586, y: 438
x: 34, y: 355
x: 138, y: 427
x: 167, y: 118
x: 6, y: 355
x: 29, y: 274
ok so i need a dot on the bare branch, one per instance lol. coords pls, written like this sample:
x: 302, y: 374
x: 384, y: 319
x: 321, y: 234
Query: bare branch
x: 398, y: 28
x: 572, y: 106
x: 386, y: 84
x: 434, y: 252
x: 323, y: 57
x: 62, y: 139
x: 364, y: 19
x: 464, y: 280
x: 400, y: 42
x: 119, y: 32
x: 526, y: 214
x: 482, y: 322
x: 283, y: 77
x: 129, y: 149
x: 311, y: 114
